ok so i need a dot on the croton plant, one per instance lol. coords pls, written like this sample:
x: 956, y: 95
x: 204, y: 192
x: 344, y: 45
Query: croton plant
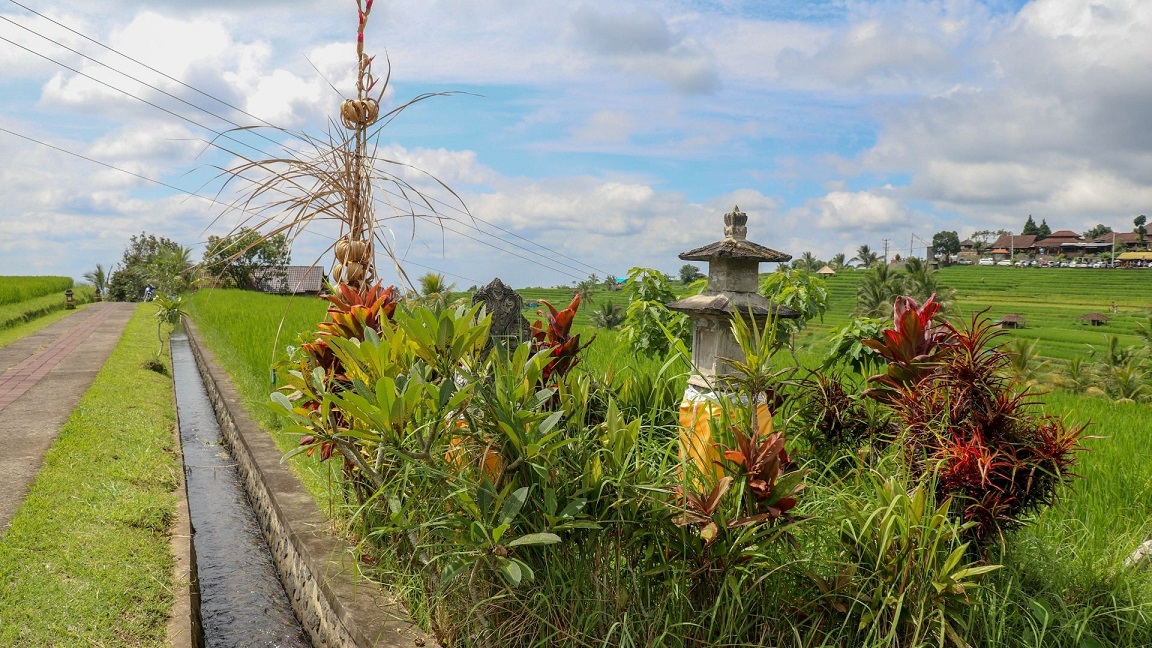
x: 966, y: 422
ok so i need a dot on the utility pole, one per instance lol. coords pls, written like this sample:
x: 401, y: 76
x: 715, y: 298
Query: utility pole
x: 911, y: 242
x: 885, y: 251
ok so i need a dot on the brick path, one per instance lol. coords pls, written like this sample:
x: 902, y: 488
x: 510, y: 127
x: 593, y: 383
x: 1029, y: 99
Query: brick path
x: 15, y: 382
x: 42, y: 377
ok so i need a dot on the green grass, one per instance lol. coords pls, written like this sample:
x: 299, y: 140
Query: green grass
x: 86, y: 560
x: 19, y: 289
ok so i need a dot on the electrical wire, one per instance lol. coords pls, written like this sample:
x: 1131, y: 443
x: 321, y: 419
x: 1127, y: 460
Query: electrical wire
x: 263, y: 153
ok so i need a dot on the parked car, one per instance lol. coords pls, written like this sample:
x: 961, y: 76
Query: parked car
x: 987, y: 262
x: 1004, y: 262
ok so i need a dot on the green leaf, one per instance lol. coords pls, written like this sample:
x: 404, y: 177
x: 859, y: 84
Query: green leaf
x: 512, y: 505
x: 280, y: 399
x: 535, y: 539
x: 510, y: 570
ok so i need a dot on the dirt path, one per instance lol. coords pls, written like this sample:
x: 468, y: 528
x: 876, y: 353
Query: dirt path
x: 42, y: 377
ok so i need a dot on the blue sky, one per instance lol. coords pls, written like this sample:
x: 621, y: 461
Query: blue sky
x: 589, y: 137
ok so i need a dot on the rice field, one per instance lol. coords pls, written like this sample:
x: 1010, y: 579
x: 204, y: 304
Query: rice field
x: 18, y: 289
x: 1049, y: 299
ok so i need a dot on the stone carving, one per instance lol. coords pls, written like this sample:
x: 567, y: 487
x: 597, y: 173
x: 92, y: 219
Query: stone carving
x: 1141, y: 557
x: 509, y: 327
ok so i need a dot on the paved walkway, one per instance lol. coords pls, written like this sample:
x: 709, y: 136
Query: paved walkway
x: 42, y: 377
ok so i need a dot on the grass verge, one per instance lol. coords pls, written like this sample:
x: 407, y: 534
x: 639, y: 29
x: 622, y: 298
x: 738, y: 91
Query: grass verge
x: 86, y: 561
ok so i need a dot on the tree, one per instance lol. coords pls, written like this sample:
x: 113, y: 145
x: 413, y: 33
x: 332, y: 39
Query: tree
x: 946, y: 244
x: 1100, y: 230
x: 838, y: 262
x: 241, y: 258
x: 136, y: 269
x: 171, y: 270
x: 879, y: 288
x: 1043, y: 230
x: 99, y: 280
x: 807, y: 262
x: 921, y: 282
x: 434, y: 290
x: 609, y: 315
x: 689, y: 273
x: 1030, y: 227
x: 865, y: 257
x: 982, y: 238
x: 649, y: 327
x: 1141, y: 230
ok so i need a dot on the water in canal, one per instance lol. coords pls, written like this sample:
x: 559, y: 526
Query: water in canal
x: 242, y: 602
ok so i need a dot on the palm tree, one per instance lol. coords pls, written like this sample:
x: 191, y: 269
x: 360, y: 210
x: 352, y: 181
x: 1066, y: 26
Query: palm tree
x: 434, y: 290
x: 171, y: 269
x: 875, y: 294
x: 838, y: 262
x: 1078, y: 377
x: 807, y: 262
x: 608, y: 316
x: 922, y: 282
x: 865, y: 257
x: 1024, y: 363
x: 99, y: 280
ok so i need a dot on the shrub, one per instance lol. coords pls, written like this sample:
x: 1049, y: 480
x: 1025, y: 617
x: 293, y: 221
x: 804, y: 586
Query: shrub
x: 966, y: 424
x: 649, y: 326
x: 905, y: 581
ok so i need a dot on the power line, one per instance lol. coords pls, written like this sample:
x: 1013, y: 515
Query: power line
x: 263, y: 153
x: 228, y: 206
x: 138, y: 62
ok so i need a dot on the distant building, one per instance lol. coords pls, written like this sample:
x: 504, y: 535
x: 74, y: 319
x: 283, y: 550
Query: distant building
x: 293, y: 280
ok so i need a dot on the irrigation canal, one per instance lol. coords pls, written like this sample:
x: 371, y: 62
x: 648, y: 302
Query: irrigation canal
x: 241, y: 600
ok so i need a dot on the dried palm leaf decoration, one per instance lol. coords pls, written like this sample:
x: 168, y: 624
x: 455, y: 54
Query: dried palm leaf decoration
x: 333, y: 178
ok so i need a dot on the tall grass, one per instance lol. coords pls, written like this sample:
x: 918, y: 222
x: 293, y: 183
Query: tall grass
x: 18, y: 289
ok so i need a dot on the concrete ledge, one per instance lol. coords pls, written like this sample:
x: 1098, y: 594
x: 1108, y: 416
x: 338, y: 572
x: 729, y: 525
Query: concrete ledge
x: 335, y: 605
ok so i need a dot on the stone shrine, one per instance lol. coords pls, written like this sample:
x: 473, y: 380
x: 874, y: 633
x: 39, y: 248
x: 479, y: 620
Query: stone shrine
x: 733, y: 278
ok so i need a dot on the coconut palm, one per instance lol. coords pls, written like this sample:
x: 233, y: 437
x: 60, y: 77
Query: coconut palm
x: 99, y: 280
x: 921, y: 282
x: 609, y: 315
x: 1078, y: 377
x: 875, y: 294
x: 171, y: 270
x: 434, y: 290
x: 807, y: 262
x: 1024, y: 363
x: 865, y: 257
x: 838, y: 262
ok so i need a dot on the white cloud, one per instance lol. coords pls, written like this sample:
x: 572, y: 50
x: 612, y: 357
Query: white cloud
x: 858, y: 210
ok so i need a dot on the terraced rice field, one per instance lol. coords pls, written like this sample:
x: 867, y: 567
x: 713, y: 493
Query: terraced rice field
x: 1049, y: 299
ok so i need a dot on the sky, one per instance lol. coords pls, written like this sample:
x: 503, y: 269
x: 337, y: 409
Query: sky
x: 565, y: 139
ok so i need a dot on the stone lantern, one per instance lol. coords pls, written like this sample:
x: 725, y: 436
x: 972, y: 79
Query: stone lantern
x: 733, y: 277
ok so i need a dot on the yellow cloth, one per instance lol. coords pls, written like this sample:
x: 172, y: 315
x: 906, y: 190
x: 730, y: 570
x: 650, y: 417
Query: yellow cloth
x: 696, y: 443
